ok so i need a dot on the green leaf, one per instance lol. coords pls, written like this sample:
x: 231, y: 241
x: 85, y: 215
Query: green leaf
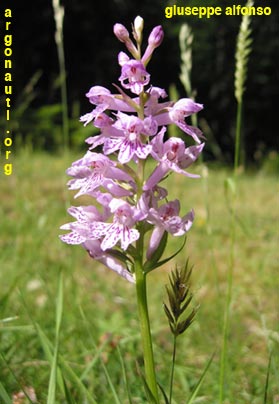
x: 159, y: 251
x: 4, y: 395
x: 52, y: 380
x: 69, y: 397
x: 54, y: 365
x: 164, y: 394
x: 148, y: 267
x: 267, y: 379
x: 59, y: 306
x: 151, y: 399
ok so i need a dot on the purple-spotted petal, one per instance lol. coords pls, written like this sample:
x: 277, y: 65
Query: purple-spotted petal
x: 72, y: 238
x: 134, y: 76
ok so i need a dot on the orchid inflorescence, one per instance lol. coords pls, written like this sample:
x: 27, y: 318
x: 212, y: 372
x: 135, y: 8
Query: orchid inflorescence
x: 128, y: 205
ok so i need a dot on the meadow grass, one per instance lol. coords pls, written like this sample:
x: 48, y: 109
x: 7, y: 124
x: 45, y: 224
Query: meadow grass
x: 59, y: 309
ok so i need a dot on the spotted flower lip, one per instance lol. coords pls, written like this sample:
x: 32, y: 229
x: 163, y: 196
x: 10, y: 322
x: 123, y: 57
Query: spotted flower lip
x: 80, y: 231
x: 129, y: 141
x: 121, y: 229
x: 134, y: 76
x: 95, y: 170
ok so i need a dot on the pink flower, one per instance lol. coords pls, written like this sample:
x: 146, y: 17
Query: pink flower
x: 81, y: 229
x: 130, y: 139
x: 105, y: 124
x: 128, y: 128
x: 150, y: 199
x: 177, y: 114
x: 95, y: 170
x: 166, y: 218
x: 172, y: 155
x: 134, y: 76
x: 91, y: 225
x: 152, y: 106
x: 125, y: 216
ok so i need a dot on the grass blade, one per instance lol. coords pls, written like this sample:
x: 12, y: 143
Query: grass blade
x: 47, y: 346
x: 110, y: 383
x: 53, y: 373
x: 53, y: 378
x: 150, y: 397
x: 4, y: 395
x: 92, y: 363
x: 124, y: 372
x: 198, y: 385
x: 267, y: 379
x: 70, y: 399
x: 164, y: 394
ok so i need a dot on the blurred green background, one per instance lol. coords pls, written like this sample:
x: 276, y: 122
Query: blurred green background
x: 91, y: 59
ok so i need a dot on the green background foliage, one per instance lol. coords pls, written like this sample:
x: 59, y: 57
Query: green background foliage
x: 91, y: 58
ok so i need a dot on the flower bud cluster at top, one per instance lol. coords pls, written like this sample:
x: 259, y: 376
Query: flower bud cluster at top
x: 132, y: 128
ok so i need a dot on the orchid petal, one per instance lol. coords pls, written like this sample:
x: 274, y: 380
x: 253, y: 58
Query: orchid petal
x: 154, y: 241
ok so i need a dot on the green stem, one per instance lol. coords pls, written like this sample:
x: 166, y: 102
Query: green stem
x: 149, y: 366
x: 64, y: 96
x: 59, y: 17
x: 237, y: 136
x: 172, y: 367
x: 224, y: 351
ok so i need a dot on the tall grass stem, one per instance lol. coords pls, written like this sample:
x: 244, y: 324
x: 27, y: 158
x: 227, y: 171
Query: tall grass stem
x: 59, y: 18
x: 243, y: 49
x: 54, y: 366
x: 237, y: 137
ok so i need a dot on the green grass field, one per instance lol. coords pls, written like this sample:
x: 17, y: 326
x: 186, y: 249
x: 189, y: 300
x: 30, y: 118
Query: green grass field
x: 99, y: 334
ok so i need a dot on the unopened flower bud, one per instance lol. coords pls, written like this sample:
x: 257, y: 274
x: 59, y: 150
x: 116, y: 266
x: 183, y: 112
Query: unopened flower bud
x: 138, y: 28
x: 156, y: 37
x: 121, y: 32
